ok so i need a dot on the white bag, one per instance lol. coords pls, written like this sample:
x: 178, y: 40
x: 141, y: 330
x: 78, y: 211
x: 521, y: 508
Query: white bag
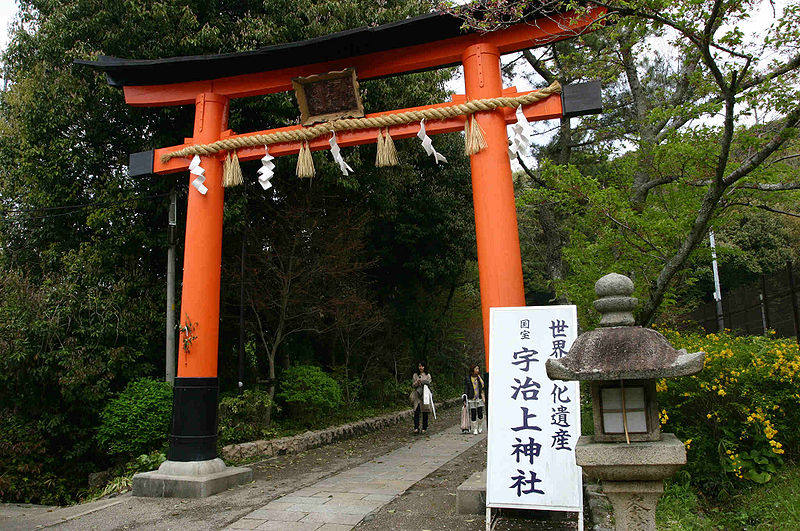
x: 427, y: 399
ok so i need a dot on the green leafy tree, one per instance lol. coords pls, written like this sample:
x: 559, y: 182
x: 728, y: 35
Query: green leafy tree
x: 699, y: 124
x: 82, y: 246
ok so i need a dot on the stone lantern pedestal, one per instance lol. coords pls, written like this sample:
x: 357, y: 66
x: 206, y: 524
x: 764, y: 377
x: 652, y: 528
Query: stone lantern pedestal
x: 632, y: 475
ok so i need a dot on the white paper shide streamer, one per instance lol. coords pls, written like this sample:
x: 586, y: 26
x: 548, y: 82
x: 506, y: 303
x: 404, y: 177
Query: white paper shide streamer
x: 266, y: 171
x: 196, y: 169
x: 520, y: 136
x: 427, y: 144
x: 337, y: 156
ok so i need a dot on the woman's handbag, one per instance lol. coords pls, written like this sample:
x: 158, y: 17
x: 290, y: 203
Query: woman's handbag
x: 427, y: 401
x: 464, y: 415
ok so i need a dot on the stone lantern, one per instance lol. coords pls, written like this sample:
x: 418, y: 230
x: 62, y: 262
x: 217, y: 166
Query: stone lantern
x: 622, y: 362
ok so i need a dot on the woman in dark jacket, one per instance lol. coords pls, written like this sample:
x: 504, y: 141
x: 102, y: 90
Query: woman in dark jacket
x: 474, y: 388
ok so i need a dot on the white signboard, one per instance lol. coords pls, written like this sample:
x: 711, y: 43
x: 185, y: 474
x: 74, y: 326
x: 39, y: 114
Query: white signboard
x: 534, y: 422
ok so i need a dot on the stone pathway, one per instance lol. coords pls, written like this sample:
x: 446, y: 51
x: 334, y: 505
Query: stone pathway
x: 341, y: 501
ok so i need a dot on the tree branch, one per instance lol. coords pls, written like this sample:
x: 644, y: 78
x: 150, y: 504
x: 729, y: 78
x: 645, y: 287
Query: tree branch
x: 533, y: 177
x: 768, y: 209
x: 789, y: 123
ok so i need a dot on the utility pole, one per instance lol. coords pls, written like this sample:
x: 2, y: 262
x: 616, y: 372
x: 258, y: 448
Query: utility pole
x: 241, y: 311
x: 242, y: 294
x: 170, y: 346
x: 717, y: 290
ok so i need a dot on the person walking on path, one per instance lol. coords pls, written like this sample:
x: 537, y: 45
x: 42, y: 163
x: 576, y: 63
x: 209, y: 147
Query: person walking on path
x: 474, y: 389
x: 420, y: 381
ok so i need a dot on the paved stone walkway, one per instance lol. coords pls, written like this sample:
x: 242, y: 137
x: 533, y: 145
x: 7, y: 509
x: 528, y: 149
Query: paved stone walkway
x: 341, y: 501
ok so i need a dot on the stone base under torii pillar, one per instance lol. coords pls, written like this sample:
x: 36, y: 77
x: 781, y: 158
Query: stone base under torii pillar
x: 190, y: 479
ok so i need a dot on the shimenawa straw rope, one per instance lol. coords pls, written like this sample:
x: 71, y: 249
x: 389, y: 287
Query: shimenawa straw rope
x: 384, y: 121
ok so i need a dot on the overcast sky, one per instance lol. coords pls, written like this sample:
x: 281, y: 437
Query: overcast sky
x: 8, y: 9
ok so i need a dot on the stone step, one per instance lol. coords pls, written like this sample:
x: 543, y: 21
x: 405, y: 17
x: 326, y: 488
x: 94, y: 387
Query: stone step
x: 471, y: 495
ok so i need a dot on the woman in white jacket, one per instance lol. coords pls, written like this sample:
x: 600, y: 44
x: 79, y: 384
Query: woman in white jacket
x: 420, y: 380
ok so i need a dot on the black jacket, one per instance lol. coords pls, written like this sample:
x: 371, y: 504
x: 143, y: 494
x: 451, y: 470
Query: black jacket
x: 470, y: 391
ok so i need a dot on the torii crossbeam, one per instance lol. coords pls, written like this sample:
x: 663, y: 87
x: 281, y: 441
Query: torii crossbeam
x: 209, y: 82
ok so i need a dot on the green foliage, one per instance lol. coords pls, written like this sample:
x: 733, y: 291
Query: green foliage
x: 69, y: 340
x: 27, y: 471
x: 138, y: 420
x: 739, y: 416
x: 352, y: 388
x: 123, y: 482
x: 145, y: 462
x: 81, y: 303
x: 308, y: 392
x: 117, y: 485
x: 244, y: 417
x: 775, y: 505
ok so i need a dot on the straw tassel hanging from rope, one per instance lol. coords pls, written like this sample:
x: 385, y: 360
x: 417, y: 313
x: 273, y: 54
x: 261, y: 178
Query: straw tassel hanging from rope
x: 474, y: 139
x: 305, y: 164
x: 387, y: 153
x: 232, y: 171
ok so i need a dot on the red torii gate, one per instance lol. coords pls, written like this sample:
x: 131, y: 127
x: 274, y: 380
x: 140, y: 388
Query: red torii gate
x: 209, y: 82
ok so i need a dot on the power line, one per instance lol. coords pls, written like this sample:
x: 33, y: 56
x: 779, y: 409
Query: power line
x: 75, y: 208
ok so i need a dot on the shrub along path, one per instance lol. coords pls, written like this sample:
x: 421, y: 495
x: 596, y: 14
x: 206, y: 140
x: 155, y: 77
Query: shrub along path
x: 273, y: 478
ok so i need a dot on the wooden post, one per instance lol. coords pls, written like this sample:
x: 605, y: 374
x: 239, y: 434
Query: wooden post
x: 194, y: 415
x: 793, y: 295
x: 499, y: 260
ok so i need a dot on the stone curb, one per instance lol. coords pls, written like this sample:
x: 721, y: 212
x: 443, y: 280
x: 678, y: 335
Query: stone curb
x: 313, y: 439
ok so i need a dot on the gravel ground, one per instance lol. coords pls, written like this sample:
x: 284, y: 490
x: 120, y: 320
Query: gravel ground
x: 431, y: 504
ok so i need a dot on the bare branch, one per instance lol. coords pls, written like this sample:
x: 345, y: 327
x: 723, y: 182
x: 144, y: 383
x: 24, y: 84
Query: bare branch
x: 634, y: 232
x: 779, y: 159
x: 533, y: 176
x: 786, y: 67
x: 768, y: 209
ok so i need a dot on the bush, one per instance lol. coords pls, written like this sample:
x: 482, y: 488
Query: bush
x: 24, y: 459
x: 244, y: 417
x: 137, y: 421
x: 352, y: 388
x: 309, y: 393
x: 738, y: 416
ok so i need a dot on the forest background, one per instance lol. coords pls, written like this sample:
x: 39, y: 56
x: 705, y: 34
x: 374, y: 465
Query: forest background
x: 361, y: 276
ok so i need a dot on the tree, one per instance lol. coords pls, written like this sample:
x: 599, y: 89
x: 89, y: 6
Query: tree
x: 682, y: 81
x: 82, y: 245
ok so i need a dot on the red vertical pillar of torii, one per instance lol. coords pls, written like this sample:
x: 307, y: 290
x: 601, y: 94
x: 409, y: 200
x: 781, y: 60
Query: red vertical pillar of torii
x: 193, y: 434
x: 499, y: 259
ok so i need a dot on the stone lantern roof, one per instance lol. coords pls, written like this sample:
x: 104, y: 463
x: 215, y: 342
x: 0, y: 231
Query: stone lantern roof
x: 617, y: 350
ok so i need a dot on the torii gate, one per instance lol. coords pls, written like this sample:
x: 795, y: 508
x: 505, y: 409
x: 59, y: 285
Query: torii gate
x: 209, y: 82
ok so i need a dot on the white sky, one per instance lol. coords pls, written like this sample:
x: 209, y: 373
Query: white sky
x: 8, y: 8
